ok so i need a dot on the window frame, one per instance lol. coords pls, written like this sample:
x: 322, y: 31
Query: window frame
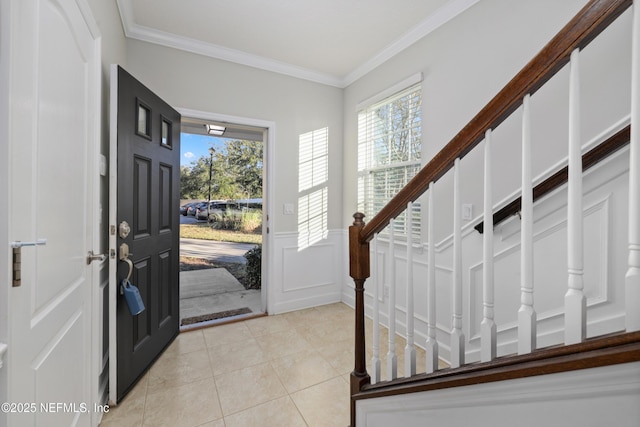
x: 369, y: 155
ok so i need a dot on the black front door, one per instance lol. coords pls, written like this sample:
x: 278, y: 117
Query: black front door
x: 148, y: 202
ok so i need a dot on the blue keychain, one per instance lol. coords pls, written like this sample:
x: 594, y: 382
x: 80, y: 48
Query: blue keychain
x: 132, y: 296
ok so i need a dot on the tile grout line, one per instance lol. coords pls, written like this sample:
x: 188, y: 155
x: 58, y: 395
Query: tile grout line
x: 146, y: 391
x: 213, y: 378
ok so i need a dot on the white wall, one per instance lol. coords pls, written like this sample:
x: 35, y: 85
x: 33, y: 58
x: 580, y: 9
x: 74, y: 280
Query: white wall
x: 114, y: 51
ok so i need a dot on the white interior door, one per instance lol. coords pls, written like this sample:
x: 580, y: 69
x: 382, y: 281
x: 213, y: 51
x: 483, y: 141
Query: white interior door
x: 53, y: 138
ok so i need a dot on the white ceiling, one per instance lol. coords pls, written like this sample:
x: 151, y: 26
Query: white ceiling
x: 333, y: 42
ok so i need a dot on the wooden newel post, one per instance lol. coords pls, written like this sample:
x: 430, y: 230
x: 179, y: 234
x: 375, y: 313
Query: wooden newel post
x: 359, y: 272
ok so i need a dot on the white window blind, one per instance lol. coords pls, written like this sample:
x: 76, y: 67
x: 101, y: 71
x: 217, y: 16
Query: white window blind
x: 389, y: 153
x: 313, y: 167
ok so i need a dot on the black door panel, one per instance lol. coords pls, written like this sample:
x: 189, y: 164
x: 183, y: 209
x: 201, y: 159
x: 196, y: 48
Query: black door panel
x: 148, y: 200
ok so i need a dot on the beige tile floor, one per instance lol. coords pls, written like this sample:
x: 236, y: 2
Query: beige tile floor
x: 284, y: 371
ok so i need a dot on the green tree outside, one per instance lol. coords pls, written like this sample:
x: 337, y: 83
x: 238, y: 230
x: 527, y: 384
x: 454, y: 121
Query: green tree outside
x: 236, y: 173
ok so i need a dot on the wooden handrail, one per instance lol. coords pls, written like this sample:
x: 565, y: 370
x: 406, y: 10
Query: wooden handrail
x: 589, y: 159
x: 578, y: 33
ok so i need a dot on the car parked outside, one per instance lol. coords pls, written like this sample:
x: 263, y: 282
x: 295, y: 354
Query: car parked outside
x: 191, y: 211
x: 185, y: 208
x: 215, y: 207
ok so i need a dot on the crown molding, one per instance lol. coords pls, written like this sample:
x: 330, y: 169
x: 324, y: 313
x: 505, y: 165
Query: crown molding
x: 434, y: 21
x: 440, y: 17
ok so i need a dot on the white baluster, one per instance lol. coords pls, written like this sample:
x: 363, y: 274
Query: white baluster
x: 632, y: 279
x: 410, y: 349
x: 457, y: 336
x: 526, y: 313
x: 375, y: 359
x: 575, y: 303
x: 431, y: 344
x: 392, y: 359
x: 488, y: 325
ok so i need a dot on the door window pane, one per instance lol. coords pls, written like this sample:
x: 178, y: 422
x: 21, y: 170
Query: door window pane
x: 143, y: 120
x: 166, y: 134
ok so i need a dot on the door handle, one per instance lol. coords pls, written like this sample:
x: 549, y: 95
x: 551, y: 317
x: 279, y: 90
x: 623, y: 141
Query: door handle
x: 18, y: 244
x: 128, y: 279
x: 128, y: 261
x: 95, y: 257
x: 124, y: 256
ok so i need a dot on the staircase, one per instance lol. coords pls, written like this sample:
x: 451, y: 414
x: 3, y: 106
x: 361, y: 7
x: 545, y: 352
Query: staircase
x: 541, y: 292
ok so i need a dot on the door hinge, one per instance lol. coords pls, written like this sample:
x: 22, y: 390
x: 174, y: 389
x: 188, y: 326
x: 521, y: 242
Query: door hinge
x: 112, y: 230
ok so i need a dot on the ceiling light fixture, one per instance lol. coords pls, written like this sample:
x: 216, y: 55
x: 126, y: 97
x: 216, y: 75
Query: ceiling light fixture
x: 215, y: 130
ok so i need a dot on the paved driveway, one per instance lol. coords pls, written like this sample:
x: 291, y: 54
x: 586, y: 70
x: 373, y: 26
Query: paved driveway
x: 212, y: 250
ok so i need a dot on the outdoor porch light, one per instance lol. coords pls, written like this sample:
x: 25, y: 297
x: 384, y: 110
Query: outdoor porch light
x: 215, y: 129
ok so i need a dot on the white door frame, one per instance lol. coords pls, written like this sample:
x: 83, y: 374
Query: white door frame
x: 113, y: 213
x: 267, y: 196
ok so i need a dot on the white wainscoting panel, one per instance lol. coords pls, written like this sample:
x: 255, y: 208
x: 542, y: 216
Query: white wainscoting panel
x: 305, y: 276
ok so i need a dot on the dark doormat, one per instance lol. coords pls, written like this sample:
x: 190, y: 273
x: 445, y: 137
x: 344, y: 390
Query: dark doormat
x: 214, y: 316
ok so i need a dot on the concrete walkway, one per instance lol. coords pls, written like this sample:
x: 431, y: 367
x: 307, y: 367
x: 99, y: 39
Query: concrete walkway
x: 214, y: 290
x: 212, y: 250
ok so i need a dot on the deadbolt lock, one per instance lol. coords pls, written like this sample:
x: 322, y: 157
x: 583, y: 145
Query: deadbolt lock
x: 124, y: 229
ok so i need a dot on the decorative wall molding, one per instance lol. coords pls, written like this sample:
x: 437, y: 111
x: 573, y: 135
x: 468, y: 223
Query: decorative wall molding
x: 592, y: 397
x: 556, y: 225
x: 306, y: 267
x: 300, y: 277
